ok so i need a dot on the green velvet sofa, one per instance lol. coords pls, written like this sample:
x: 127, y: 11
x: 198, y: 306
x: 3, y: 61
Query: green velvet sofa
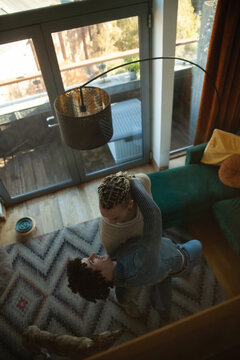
x: 183, y: 194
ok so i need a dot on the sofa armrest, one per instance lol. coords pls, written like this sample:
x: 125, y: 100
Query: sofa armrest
x: 227, y: 214
x: 195, y: 153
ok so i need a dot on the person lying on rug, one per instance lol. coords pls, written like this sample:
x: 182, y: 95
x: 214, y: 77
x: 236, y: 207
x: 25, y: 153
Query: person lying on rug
x: 149, y: 259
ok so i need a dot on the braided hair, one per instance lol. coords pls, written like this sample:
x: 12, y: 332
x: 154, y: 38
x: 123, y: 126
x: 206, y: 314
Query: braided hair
x: 114, y: 190
x: 88, y: 283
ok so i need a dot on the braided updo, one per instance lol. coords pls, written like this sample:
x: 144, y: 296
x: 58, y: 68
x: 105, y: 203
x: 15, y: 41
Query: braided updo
x: 114, y: 190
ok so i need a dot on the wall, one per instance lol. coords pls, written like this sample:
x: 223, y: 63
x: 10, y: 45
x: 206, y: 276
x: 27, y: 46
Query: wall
x: 164, y: 39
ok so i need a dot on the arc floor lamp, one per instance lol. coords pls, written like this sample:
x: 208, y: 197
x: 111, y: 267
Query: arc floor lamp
x: 84, y: 113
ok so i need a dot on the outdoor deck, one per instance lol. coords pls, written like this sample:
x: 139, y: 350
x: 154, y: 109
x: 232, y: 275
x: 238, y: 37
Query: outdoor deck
x: 28, y: 169
x: 32, y: 155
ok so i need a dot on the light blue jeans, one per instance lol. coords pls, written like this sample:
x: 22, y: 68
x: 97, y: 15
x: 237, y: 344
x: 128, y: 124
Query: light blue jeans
x: 173, y: 266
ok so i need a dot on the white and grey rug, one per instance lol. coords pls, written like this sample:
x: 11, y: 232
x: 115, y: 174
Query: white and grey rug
x: 38, y: 293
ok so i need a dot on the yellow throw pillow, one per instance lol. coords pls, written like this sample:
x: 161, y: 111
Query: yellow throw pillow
x: 221, y: 145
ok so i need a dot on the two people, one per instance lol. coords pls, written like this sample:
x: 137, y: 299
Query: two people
x: 143, y: 259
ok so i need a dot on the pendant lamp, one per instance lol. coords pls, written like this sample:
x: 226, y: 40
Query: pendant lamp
x: 84, y: 113
x: 84, y: 124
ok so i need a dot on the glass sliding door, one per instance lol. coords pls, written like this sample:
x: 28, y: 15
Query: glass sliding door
x: 194, y: 27
x: 85, y: 52
x: 32, y: 156
x: 39, y: 62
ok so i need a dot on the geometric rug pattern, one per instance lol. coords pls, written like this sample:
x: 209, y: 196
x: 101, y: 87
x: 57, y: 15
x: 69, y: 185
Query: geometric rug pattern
x: 38, y: 294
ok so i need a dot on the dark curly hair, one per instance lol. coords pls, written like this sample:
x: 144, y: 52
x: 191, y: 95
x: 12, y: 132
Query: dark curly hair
x: 88, y: 283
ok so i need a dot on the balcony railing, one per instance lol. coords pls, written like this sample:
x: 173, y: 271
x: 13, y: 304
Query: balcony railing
x: 41, y: 98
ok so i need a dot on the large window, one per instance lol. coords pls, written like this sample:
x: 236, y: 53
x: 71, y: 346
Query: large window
x: 44, y: 60
x: 68, y: 47
x: 11, y: 7
x: 194, y: 26
x: 85, y: 52
x: 32, y: 156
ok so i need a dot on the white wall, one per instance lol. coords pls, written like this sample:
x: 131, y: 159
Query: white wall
x: 163, y: 43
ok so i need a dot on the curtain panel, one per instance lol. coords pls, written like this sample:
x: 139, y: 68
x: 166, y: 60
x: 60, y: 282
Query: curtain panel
x: 223, y: 64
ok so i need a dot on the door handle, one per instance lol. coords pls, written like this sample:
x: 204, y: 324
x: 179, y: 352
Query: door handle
x: 50, y: 118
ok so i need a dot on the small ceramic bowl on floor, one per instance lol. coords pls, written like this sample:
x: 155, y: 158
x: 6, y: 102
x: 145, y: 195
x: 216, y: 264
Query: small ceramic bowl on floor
x: 25, y: 227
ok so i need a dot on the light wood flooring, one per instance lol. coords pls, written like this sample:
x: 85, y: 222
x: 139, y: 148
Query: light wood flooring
x: 80, y: 203
x: 40, y: 166
x: 26, y: 171
x: 63, y: 208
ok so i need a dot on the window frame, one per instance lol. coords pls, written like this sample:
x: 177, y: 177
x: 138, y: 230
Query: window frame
x: 40, y: 31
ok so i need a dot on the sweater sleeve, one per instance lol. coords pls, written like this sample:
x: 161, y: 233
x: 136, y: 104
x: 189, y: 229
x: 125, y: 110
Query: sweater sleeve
x: 135, y: 268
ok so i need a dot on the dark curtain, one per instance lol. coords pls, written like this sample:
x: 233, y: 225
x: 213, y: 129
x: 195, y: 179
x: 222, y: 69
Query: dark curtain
x: 223, y: 64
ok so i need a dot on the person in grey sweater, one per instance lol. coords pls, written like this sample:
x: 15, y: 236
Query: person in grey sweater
x: 141, y: 261
x: 121, y: 218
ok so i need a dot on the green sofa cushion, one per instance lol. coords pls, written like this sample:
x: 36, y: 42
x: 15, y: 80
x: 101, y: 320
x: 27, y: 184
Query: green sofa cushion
x: 227, y: 213
x: 183, y: 193
x: 194, y: 154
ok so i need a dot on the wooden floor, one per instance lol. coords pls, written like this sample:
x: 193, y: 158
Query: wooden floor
x: 63, y: 208
x: 47, y: 165
x: 33, y: 167
x: 80, y: 203
x: 218, y: 254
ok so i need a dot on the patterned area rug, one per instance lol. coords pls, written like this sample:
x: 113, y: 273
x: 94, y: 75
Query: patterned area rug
x: 38, y: 293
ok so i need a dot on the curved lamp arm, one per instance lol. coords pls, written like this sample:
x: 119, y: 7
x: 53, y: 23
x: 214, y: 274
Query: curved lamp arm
x: 88, y: 125
x: 156, y: 58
